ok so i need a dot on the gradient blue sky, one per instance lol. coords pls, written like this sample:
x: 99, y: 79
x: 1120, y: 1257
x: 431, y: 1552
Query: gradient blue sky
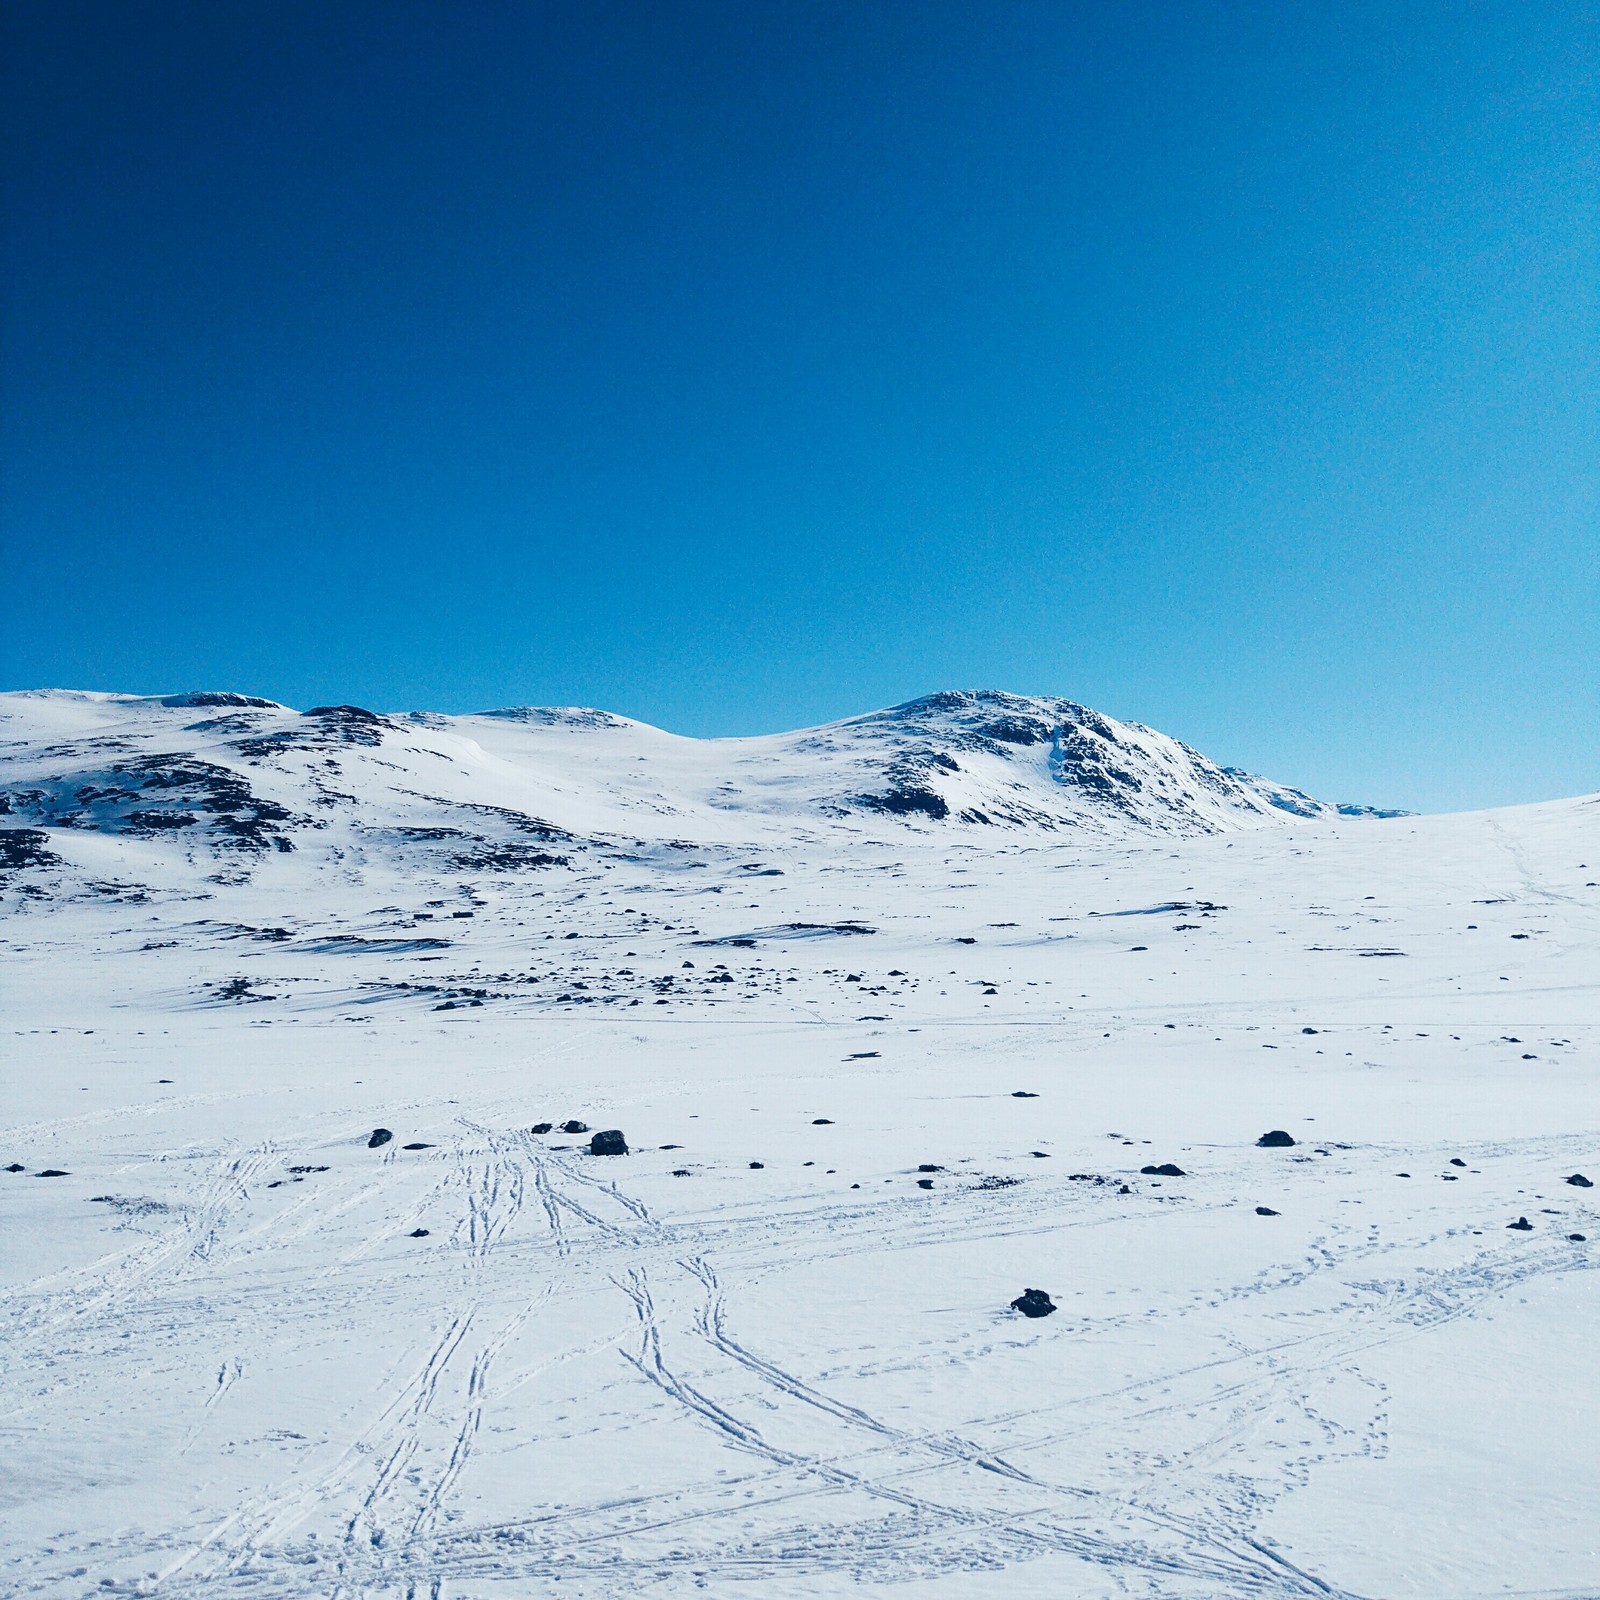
x: 1231, y: 366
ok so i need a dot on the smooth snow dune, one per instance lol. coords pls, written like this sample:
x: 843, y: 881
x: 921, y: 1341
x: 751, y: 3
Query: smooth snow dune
x: 879, y: 1072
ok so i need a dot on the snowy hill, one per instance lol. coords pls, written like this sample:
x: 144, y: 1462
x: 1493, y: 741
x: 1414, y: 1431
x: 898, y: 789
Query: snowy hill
x: 232, y: 778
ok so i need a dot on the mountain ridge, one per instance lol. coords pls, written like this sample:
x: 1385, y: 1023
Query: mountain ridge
x: 248, y: 776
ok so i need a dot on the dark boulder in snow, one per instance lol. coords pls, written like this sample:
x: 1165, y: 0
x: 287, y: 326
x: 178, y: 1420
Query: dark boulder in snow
x: 1265, y: 1211
x: 1277, y: 1139
x: 574, y: 1126
x: 608, y: 1143
x: 1521, y: 1225
x: 1167, y: 1169
x: 16, y: 1166
x: 1578, y: 1181
x: 1033, y: 1303
x: 541, y: 1127
x: 418, y: 1145
x: 52, y: 1172
x: 1023, y: 1094
x: 380, y: 1136
x: 419, y: 1233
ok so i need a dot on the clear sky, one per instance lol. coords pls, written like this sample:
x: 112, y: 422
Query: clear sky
x: 1231, y: 367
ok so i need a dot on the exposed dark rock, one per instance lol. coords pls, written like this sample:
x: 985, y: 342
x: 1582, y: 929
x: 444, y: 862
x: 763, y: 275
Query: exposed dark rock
x: 197, y: 700
x: 1265, y: 1211
x: 52, y: 1172
x: 25, y: 847
x: 924, y: 1183
x: 239, y: 989
x: 419, y: 1233
x: 541, y: 1127
x: 16, y: 1166
x: 1033, y: 1303
x: 1277, y: 1139
x: 1578, y: 1181
x: 303, y: 1170
x: 680, y: 1172
x: 822, y: 1122
x: 928, y: 1166
x: 907, y: 800
x: 574, y: 1126
x: 1456, y: 1161
x: 380, y: 1136
x: 1578, y: 1238
x: 1167, y: 1169
x: 417, y: 1145
x: 1521, y: 1225
x: 188, y: 791
x: 1023, y: 1094
x: 757, y: 1165
x: 512, y: 856
x: 609, y: 1142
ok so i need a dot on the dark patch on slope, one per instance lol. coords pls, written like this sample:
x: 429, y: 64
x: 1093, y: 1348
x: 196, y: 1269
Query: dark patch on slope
x: 25, y: 847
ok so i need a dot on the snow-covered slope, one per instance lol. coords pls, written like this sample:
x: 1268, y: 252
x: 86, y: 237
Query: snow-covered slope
x: 880, y: 1069
x: 224, y: 776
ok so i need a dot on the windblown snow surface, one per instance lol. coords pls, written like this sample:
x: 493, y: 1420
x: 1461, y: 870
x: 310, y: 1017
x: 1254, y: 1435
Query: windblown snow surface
x: 895, y: 1015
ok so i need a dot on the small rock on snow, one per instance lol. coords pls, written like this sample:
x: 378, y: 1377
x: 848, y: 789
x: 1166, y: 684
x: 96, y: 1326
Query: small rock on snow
x: 1033, y: 1303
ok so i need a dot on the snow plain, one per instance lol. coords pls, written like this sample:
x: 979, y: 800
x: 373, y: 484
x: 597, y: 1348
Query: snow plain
x: 232, y: 1367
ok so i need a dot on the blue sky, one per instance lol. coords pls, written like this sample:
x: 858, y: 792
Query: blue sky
x: 1230, y: 367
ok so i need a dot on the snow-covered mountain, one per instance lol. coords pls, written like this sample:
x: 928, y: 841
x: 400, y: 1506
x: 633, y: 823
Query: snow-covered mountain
x: 234, y: 778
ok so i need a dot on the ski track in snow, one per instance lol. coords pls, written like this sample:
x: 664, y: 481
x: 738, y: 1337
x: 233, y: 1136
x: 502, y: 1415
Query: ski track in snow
x: 247, y: 1355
